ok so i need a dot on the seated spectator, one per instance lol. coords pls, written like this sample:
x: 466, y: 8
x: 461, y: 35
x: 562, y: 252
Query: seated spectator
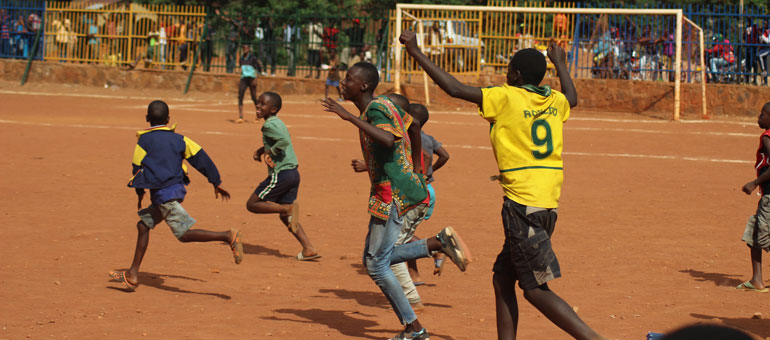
x: 722, y: 54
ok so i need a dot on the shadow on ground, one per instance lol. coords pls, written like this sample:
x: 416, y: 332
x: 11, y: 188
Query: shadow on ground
x: 159, y: 281
x: 344, y: 322
x: 725, y: 280
x: 255, y: 249
x: 757, y: 327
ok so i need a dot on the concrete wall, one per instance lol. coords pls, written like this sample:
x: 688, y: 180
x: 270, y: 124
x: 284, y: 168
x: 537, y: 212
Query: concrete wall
x: 594, y: 94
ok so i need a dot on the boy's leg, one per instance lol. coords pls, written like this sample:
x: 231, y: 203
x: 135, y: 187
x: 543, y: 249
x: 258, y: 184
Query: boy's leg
x: 142, y: 240
x: 326, y: 90
x: 307, y: 248
x: 380, y: 242
x: 411, y: 265
x: 756, y: 268
x: 559, y: 312
x: 506, y: 306
x: 253, y: 92
x: 411, y: 219
x: 241, y: 91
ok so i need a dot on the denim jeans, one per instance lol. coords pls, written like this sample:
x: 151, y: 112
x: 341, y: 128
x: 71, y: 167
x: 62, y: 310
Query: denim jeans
x: 380, y: 252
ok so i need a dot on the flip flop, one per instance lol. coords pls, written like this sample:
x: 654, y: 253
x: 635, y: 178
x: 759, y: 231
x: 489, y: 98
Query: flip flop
x: 237, y: 246
x: 121, y: 277
x: 301, y: 257
x: 750, y: 287
x: 294, y: 217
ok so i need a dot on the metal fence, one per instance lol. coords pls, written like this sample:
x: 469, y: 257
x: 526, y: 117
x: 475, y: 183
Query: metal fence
x: 122, y: 34
x: 20, y: 20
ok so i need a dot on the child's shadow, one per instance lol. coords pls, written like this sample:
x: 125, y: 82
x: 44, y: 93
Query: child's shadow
x: 255, y: 249
x: 342, y: 321
x: 158, y: 281
x: 725, y: 280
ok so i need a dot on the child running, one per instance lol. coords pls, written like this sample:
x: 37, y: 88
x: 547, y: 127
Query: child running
x: 412, y: 219
x: 250, y: 65
x: 526, y: 133
x: 389, y: 151
x: 757, y: 232
x: 157, y: 166
x: 278, y: 192
x: 430, y: 147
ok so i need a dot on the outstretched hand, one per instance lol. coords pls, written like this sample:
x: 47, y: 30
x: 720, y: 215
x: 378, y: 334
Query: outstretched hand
x: 749, y: 187
x: 358, y: 165
x: 331, y: 105
x: 556, y: 54
x: 218, y: 190
x: 409, y: 40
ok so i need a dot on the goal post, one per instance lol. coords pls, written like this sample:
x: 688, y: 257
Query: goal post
x: 413, y: 13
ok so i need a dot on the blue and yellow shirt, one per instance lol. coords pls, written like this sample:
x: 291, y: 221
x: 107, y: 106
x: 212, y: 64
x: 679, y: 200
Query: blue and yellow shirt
x: 526, y: 134
x: 158, y: 166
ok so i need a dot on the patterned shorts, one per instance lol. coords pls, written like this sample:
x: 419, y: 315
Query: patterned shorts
x: 757, y: 232
x: 527, y: 254
x: 172, y: 212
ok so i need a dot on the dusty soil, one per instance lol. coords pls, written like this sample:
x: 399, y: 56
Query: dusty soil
x: 648, y: 236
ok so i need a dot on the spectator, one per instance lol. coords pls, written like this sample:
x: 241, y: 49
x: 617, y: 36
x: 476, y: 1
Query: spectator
x: 314, y: 34
x: 19, y: 41
x: 231, y: 49
x: 33, y: 26
x: 721, y: 55
x: 525, y: 39
x: 269, y: 56
x: 649, y: 58
x: 751, y: 38
x: 185, y: 39
x: 64, y: 38
x: 330, y: 40
x: 93, y: 41
x: 206, y: 49
x: 5, y: 35
x: 764, y: 51
x: 112, y: 32
x: 289, y: 32
x: 355, y: 35
x: 435, y: 48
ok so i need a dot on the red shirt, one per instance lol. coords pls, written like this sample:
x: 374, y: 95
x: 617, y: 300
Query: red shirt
x: 763, y: 160
x: 330, y: 37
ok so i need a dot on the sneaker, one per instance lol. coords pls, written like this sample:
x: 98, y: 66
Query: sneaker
x: 405, y: 335
x: 454, y: 247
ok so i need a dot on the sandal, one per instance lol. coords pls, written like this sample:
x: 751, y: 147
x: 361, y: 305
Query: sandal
x: 120, y: 276
x: 748, y: 286
x: 237, y: 246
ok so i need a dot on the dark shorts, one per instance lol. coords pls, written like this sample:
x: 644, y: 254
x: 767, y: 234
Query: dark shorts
x: 527, y: 254
x: 279, y: 187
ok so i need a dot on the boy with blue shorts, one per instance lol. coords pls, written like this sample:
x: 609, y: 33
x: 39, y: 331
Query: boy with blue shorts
x: 277, y: 194
x: 397, y: 187
x: 157, y: 166
x: 757, y: 231
x: 526, y: 122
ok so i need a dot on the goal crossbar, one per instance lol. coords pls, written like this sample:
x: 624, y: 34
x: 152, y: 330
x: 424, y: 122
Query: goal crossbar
x: 401, y: 8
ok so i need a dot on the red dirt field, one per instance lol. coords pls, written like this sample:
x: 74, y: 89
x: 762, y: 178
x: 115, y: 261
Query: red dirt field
x: 648, y: 236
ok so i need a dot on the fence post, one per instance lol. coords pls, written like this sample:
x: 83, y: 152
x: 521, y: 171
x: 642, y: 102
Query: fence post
x: 34, y: 52
x: 195, y: 58
x: 130, y: 55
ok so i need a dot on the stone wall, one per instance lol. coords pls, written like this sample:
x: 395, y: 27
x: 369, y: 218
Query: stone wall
x: 594, y: 94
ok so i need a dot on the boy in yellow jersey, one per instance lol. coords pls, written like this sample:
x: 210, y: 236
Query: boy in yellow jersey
x: 526, y: 133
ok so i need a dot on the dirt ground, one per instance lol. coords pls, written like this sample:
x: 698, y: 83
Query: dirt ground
x: 648, y: 236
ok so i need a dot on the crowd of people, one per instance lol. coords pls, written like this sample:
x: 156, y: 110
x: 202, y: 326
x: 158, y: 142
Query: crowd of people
x: 17, y: 33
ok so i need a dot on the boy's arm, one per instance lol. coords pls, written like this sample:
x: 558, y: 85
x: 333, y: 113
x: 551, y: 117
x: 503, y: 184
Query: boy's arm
x: 201, y: 161
x: 445, y: 81
x: 558, y: 58
x: 443, y: 157
x: 380, y: 136
x: 416, y: 141
x: 765, y: 176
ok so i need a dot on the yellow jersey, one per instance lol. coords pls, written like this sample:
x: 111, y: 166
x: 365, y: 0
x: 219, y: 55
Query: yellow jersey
x: 526, y: 134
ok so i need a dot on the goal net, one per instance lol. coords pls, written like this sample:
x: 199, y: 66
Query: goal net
x: 633, y: 44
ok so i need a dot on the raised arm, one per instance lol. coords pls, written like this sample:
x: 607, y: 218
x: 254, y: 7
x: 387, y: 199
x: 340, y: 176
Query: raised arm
x: 445, y: 81
x: 558, y: 58
x: 380, y: 136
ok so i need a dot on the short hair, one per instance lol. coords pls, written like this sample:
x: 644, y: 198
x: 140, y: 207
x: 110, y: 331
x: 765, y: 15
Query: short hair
x: 399, y: 100
x: 275, y: 99
x: 157, y: 112
x: 420, y: 113
x: 369, y: 72
x: 766, y: 107
x: 530, y: 63
x: 706, y: 332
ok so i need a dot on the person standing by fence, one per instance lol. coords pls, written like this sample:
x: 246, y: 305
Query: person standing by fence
x: 314, y: 35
